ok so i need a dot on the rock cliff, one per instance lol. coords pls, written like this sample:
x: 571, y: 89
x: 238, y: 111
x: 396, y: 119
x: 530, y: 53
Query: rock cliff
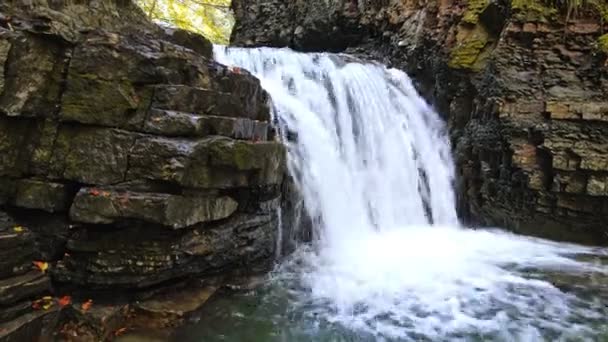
x: 130, y: 161
x: 522, y: 83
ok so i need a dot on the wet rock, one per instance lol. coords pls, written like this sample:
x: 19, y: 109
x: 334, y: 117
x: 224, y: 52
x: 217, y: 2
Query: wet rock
x: 170, y: 309
x: 36, y: 194
x: 98, y: 206
x: 129, y: 162
x: 24, y: 286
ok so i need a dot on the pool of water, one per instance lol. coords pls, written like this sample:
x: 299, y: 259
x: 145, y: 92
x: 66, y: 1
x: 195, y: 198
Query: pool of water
x: 505, y: 288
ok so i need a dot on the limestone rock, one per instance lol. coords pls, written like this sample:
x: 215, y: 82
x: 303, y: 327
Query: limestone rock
x: 99, y: 206
x: 36, y: 194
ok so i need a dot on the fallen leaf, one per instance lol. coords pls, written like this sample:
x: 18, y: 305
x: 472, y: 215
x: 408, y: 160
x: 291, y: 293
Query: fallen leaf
x: 86, y: 305
x: 236, y: 70
x: 120, y: 331
x: 124, y: 199
x: 94, y: 192
x: 64, y: 301
x: 36, y: 305
x: 18, y: 229
x: 45, y: 303
x: 42, y: 265
x: 105, y: 194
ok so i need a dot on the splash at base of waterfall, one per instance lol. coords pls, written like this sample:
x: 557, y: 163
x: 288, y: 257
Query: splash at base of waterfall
x: 390, y: 261
x: 437, y: 284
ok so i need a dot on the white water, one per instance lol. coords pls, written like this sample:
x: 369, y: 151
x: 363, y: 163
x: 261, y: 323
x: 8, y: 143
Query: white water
x: 373, y: 163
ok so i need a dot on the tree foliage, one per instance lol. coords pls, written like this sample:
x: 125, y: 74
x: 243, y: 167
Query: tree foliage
x: 211, y: 18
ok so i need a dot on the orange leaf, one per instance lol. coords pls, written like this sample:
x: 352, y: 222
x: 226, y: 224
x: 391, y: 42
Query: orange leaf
x: 64, y: 301
x: 87, y: 305
x: 42, y: 265
x: 94, y: 192
x: 105, y: 194
x: 120, y: 331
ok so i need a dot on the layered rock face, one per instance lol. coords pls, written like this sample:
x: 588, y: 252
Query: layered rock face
x: 129, y: 159
x: 522, y: 84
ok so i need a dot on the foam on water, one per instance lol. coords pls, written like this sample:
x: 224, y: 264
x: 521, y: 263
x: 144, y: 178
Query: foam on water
x: 372, y: 161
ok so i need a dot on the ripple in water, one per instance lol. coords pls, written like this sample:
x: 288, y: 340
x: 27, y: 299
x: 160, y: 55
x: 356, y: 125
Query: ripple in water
x: 390, y: 260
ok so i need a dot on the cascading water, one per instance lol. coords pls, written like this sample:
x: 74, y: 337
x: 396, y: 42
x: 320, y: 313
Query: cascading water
x: 372, y: 162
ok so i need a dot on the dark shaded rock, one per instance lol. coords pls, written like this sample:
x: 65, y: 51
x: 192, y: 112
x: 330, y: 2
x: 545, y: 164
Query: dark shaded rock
x: 36, y: 194
x: 169, y: 310
x: 24, y: 286
x: 105, y: 258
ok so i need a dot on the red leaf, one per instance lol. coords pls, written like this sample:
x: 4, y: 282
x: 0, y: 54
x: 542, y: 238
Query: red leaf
x: 64, y: 301
x: 87, y: 305
x: 41, y: 265
x: 120, y: 331
x: 94, y: 192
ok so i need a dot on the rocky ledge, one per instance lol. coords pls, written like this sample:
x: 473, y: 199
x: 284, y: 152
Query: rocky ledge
x: 130, y: 162
x: 522, y: 83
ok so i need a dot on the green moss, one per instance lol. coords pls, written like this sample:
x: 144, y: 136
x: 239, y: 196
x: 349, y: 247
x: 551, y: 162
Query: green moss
x: 474, y: 9
x: 533, y: 10
x: 602, y: 43
x: 601, y: 6
x: 466, y: 55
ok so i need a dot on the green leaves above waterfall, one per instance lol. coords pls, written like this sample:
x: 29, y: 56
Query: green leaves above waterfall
x: 211, y: 18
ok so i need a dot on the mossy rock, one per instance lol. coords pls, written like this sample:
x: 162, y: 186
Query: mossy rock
x: 98, y: 206
x: 474, y: 10
x: 468, y: 53
x: 533, y: 10
x: 602, y: 43
x: 43, y: 195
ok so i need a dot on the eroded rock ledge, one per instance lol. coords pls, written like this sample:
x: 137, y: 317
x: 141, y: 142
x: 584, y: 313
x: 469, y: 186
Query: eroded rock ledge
x: 524, y: 87
x: 130, y: 161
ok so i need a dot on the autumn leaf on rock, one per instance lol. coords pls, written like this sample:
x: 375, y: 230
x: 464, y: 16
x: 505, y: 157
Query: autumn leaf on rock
x: 64, y: 301
x: 86, y: 305
x: 94, y: 192
x: 44, y: 303
x: 120, y: 331
x: 18, y: 229
x: 41, y: 265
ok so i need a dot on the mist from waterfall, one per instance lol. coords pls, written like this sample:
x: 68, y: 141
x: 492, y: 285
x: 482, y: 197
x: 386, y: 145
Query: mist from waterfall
x: 373, y: 163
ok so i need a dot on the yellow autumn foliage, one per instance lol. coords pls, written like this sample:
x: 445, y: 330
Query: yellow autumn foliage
x: 211, y: 18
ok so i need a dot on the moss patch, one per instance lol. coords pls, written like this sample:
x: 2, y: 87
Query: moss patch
x: 602, y: 43
x: 471, y: 44
x: 474, y: 9
x: 533, y: 10
x: 601, y: 6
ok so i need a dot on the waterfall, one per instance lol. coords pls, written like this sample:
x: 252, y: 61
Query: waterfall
x: 370, y: 154
x: 373, y: 163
